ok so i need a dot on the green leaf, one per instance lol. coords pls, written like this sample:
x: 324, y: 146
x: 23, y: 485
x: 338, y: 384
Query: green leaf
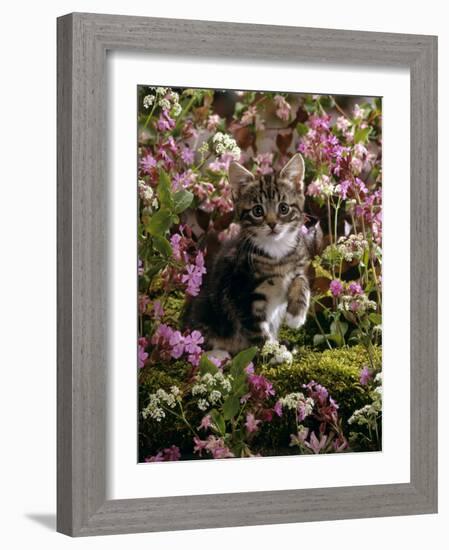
x: 164, y: 190
x: 182, y: 199
x: 375, y: 318
x: 239, y: 385
x: 302, y: 129
x: 361, y: 135
x: 338, y: 327
x: 319, y: 340
x: 241, y: 360
x: 218, y: 420
x: 162, y: 245
x: 206, y: 365
x: 154, y: 266
x: 159, y: 223
x: 231, y: 407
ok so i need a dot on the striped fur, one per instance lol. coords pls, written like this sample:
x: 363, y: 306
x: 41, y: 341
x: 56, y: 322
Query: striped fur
x: 258, y: 280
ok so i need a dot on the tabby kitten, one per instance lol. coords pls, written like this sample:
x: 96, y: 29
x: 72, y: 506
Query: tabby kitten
x: 257, y: 280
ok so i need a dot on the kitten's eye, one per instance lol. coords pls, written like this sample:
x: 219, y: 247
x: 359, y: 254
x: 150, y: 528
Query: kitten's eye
x: 284, y: 208
x: 257, y: 211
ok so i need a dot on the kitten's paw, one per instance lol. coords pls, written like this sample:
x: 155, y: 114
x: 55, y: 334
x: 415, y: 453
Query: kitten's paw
x: 295, y: 321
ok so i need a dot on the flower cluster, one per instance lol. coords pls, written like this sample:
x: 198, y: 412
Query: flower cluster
x: 160, y: 402
x: 168, y: 454
x: 225, y: 144
x: 215, y: 446
x: 171, y: 343
x: 276, y: 353
x: 211, y: 389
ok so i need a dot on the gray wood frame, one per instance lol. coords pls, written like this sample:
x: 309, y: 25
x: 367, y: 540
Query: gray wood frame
x: 83, y: 40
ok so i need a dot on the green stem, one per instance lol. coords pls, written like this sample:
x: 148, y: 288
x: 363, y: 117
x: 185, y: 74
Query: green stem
x: 151, y: 114
x: 184, y: 112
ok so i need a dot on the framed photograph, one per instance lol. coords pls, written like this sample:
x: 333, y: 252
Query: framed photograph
x: 247, y: 274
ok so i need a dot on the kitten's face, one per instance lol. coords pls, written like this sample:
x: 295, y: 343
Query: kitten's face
x: 270, y: 208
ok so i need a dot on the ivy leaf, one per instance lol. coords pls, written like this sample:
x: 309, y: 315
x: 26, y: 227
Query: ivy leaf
x: 162, y: 245
x: 231, y: 407
x: 159, y: 223
x: 164, y: 190
x: 206, y: 366
x: 182, y: 199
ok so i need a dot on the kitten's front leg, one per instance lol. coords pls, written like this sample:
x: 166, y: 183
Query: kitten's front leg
x: 298, y: 300
x: 261, y: 328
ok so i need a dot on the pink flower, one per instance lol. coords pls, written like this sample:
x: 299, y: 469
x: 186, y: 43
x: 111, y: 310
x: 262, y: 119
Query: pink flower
x: 278, y: 408
x: 249, y: 116
x: 166, y: 455
x: 249, y: 369
x: 147, y: 163
x: 336, y: 287
x: 199, y: 445
x: 214, y: 445
x: 162, y: 334
x: 212, y: 122
x: 194, y: 275
x: 142, y: 356
x: 192, y: 344
x: 315, y: 445
x: 260, y: 387
x: 193, y: 341
x: 158, y: 310
x: 206, y: 422
x: 143, y: 303
x: 342, y: 123
x: 365, y: 376
x: 251, y: 423
x: 355, y: 289
x: 264, y: 163
x: 165, y: 123
x: 177, y: 344
x: 187, y: 155
x: 283, y: 108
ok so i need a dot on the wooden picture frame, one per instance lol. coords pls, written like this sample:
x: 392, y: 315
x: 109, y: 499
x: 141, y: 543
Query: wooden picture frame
x: 83, y: 40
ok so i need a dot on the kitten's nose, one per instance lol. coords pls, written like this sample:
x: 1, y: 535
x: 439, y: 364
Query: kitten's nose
x: 271, y: 225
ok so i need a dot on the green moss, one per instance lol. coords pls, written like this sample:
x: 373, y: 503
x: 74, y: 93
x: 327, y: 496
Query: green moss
x: 337, y: 369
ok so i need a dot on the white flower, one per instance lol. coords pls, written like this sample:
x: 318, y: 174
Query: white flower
x: 176, y: 109
x: 148, y: 100
x: 342, y: 123
x: 204, y: 148
x: 199, y: 389
x: 164, y: 103
x: 218, y: 137
x: 358, y: 112
x: 161, y: 91
x: 153, y: 409
x: 203, y: 404
x: 214, y: 396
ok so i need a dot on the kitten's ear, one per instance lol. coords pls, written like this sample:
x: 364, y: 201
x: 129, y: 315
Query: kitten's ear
x: 238, y: 176
x: 293, y: 172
